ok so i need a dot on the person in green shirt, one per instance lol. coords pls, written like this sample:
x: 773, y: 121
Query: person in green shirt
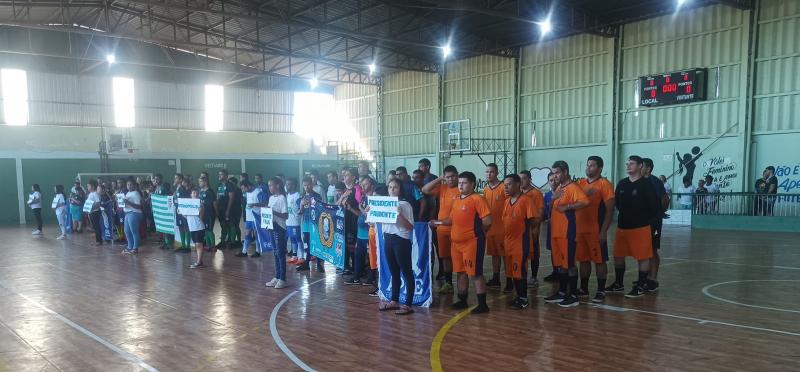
x: 182, y: 190
x: 226, y: 195
x: 209, y: 200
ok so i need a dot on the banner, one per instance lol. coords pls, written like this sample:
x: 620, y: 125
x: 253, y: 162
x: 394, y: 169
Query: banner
x: 189, y: 206
x: 106, y: 220
x: 263, y: 235
x: 121, y: 200
x: 266, y: 218
x: 87, y: 206
x: 382, y: 209
x: 327, y: 233
x: 163, y: 213
x: 421, y: 264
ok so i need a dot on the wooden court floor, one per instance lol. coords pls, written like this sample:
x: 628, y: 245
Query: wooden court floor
x: 728, y: 301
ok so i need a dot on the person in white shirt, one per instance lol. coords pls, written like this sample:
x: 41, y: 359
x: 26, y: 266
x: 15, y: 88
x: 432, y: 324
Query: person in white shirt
x: 60, y: 208
x: 397, y: 239
x: 293, y: 224
x: 685, y: 193
x: 255, y: 198
x: 712, y: 201
x: 197, y: 231
x: 35, y: 202
x: 132, y: 206
x: 280, y: 212
x: 92, y: 207
x: 667, y: 186
x: 316, y: 184
x: 333, y: 179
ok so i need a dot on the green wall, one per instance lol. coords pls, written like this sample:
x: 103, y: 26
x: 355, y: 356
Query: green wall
x: 8, y: 204
x: 270, y: 167
x: 212, y: 166
x: 163, y: 166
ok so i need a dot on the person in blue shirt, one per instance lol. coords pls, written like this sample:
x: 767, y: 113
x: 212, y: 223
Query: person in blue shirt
x: 425, y: 166
x: 548, y: 203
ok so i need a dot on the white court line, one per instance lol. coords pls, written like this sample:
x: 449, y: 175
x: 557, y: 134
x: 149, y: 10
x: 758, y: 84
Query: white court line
x: 730, y: 263
x: 128, y: 356
x: 273, y: 328
x: 707, y: 293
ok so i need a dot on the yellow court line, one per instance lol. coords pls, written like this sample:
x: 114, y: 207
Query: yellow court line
x: 436, y: 362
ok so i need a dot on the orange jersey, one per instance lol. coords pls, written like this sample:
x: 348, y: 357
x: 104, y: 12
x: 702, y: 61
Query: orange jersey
x: 447, y: 195
x: 515, y: 217
x: 496, y: 197
x: 537, y: 198
x: 563, y: 224
x: 466, y: 214
x: 590, y: 219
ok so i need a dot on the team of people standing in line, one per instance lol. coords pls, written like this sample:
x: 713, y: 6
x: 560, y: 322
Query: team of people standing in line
x: 505, y: 223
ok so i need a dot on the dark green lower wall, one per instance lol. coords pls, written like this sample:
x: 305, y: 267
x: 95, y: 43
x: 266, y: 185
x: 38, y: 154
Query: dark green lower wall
x: 9, y: 205
x: 269, y: 168
x: 746, y: 223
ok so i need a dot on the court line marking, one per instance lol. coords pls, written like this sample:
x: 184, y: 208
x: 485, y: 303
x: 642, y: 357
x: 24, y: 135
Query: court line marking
x: 126, y: 355
x: 708, y: 293
x: 436, y: 345
x: 698, y: 320
x: 273, y: 329
x: 709, y: 261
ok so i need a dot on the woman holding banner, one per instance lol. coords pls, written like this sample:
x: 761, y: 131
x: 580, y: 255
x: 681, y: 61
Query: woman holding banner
x: 132, y: 206
x: 398, y: 251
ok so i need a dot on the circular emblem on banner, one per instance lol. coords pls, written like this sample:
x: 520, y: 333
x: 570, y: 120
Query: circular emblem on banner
x: 326, y: 229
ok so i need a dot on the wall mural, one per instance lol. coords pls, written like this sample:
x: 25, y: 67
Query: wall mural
x: 687, y: 162
x: 723, y: 169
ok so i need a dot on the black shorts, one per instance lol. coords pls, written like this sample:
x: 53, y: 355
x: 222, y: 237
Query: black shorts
x: 198, y: 236
x: 655, y: 229
x: 236, y: 217
x: 209, y: 221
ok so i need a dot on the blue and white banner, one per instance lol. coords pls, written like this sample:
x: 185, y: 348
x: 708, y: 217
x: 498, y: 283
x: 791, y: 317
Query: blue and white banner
x: 420, y: 261
x: 263, y: 234
x: 106, y: 220
x: 327, y: 233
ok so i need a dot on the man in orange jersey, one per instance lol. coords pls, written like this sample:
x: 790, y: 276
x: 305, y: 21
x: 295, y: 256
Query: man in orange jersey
x: 593, y: 223
x: 445, y: 188
x: 638, y: 205
x: 527, y: 189
x: 520, y: 215
x: 470, y: 219
x: 496, y: 197
x: 567, y: 198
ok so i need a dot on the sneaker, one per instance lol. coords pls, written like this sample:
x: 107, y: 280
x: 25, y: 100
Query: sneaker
x: 551, y: 278
x: 480, y: 309
x: 374, y: 292
x: 558, y: 297
x: 272, y: 282
x: 353, y: 281
x: 615, y: 288
x: 60, y: 237
x: 254, y: 255
x: 196, y: 266
x: 519, y: 304
x: 637, y: 291
x: 599, y: 297
x: 580, y: 292
x: 36, y: 232
x: 446, y: 288
x: 533, y: 283
x: 508, y: 288
x: 241, y: 254
x: 569, y: 301
x: 459, y: 305
x: 494, y: 283
x: 281, y: 284
x: 651, y: 286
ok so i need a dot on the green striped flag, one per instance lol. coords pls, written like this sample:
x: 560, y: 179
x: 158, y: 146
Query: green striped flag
x: 163, y: 213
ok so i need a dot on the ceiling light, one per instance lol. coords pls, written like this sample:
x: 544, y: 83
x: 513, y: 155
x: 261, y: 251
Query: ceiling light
x: 313, y: 82
x: 372, y: 68
x: 111, y: 59
x: 446, y: 50
x: 545, y: 27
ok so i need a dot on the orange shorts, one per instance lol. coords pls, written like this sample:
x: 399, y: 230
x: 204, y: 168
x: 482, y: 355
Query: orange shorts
x: 590, y: 249
x: 373, y: 249
x: 494, y: 245
x: 636, y: 243
x: 517, y: 254
x: 563, y: 251
x: 443, y: 242
x: 468, y: 255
